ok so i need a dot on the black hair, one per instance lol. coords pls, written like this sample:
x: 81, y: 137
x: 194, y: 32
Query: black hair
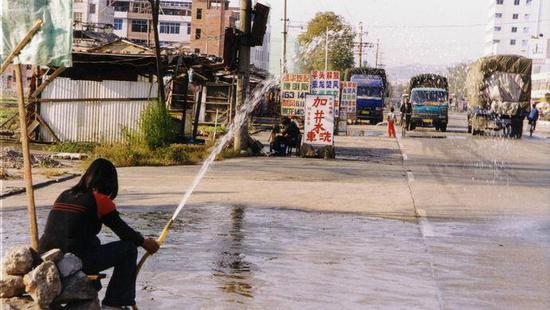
x: 286, y: 120
x: 392, y: 109
x: 101, y: 176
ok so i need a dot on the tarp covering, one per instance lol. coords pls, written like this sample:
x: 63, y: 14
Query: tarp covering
x: 428, y: 80
x: 51, y: 45
x: 499, y: 83
x: 366, y: 71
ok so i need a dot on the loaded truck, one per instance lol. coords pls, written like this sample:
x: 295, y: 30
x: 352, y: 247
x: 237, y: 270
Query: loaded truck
x: 372, y: 91
x: 429, y: 95
x: 498, y: 91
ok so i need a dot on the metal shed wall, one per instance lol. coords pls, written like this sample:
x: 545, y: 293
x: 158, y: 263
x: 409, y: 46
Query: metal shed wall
x: 93, y: 120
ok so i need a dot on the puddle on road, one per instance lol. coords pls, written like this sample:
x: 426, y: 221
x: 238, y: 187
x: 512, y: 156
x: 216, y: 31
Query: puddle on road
x: 230, y: 257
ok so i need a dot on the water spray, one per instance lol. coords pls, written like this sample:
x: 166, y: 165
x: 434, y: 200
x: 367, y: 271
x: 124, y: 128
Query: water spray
x: 240, y: 118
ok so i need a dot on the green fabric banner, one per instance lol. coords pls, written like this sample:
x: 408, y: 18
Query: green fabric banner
x: 51, y: 45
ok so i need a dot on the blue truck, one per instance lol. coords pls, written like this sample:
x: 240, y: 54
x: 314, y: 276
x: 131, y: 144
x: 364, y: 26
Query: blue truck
x: 372, y: 91
x: 429, y: 95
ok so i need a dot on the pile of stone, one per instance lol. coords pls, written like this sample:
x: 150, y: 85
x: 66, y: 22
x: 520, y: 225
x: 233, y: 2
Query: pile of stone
x: 13, y: 159
x: 51, y: 281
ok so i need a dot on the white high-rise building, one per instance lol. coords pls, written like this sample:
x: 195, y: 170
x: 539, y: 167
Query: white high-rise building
x: 92, y: 12
x: 514, y: 24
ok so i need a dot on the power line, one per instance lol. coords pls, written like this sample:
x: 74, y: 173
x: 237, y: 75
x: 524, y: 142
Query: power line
x: 456, y: 25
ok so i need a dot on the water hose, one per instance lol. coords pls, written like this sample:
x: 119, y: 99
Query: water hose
x: 160, y: 241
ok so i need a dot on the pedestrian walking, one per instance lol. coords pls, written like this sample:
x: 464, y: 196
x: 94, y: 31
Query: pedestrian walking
x: 391, y: 123
x: 76, y: 219
x: 533, y: 118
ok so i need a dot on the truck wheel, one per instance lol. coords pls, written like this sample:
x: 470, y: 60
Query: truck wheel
x: 443, y: 128
x: 469, y: 129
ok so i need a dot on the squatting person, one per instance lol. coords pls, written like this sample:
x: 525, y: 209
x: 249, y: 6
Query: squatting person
x: 77, y: 217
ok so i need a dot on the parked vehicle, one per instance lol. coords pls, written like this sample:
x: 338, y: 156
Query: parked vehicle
x: 372, y: 91
x: 499, y: 92
x: 429, y: 95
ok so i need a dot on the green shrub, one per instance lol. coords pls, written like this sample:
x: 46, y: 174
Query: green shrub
x: 125, y: 155
x: 156, y: 127
x: 73, y: 147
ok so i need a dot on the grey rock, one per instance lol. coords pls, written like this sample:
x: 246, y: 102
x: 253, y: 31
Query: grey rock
x: 85, y: 305
x: 18, y: 261
x: 53, y: 255
x: 18, y: 303
x: 11, y: 286
x: 76, y: 288
x: 69, y: 264
x: 43, y: 284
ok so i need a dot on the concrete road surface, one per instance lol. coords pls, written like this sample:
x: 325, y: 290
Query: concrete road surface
x: 428, y: 221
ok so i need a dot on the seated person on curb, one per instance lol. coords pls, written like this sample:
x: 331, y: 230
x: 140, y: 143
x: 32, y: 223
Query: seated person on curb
x: 76, y: 219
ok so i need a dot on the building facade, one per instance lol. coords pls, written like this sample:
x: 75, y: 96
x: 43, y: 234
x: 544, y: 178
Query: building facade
x: 209, y: 20
x: 92, y: 12
x: 519, y: 27
x: 132, y: 20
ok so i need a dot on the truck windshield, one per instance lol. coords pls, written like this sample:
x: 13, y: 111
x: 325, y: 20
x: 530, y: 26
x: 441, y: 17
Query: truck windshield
x: 365, y: 91
x: 423, y: 96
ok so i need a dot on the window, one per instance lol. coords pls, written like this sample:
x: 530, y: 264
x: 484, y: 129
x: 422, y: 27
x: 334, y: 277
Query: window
x: 512, y: 42
x: 496, y: 41
x: 515, y: 16
x: 117, y: 23
x: 498, y: 15
x: 498, y: 28
x: 529, y: 2
x: 92, y: 9
x: 197, y: 51
x: 139, y: 25
x: 189, y: 28
x: 525, y: 29
x: 516, y: 2
x: 524, y: 43
x: 171, y: 28
x: 77, y: 16
x: 198, y: 33
x: 527, y: 16
x: 514, y: 29
x: 500, y: 2
x: 199, y: 13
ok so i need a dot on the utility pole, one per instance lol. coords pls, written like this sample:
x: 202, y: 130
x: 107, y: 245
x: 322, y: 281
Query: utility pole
x: 360, y: 44
x: 326, y: 50
x: 377, y: 50
x: 244, y: 71
x: 155, y: 12
x: 285, y: 33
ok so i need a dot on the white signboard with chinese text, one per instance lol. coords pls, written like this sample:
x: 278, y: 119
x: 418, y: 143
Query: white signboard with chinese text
x: 294, y: 88
x: 327, y: 83
x: 348, y: 103
x: 319, y: 120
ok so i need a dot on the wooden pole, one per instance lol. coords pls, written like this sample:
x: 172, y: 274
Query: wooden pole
x: 26, y: 157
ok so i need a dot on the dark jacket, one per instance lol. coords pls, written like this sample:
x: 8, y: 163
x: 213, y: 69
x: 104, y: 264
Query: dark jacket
x: 76, y: 219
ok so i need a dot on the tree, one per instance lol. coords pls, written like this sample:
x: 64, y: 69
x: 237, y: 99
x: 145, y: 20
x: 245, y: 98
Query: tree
x: 457, y: 79
x: 311, y: 55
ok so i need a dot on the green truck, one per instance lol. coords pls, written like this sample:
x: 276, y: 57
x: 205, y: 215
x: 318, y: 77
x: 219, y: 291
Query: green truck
x: 498, y: 92
x: 429, y: 95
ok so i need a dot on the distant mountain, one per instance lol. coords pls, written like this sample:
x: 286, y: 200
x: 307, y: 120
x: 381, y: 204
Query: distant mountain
x: 403, y: 73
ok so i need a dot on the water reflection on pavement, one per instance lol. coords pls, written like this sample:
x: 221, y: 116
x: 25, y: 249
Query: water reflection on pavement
x: 234, y: 257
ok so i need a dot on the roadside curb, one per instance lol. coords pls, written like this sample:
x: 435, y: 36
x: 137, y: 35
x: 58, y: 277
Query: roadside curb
x: 41, y: 185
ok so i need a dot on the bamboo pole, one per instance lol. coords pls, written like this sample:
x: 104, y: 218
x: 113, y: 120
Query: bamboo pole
x: 26, y: 39
x: 26, y: 157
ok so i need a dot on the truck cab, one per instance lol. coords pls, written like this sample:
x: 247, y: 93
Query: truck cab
x: 370, y: 97
x: 430, y: 107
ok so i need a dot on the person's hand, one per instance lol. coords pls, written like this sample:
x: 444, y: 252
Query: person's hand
x: 150, y: 245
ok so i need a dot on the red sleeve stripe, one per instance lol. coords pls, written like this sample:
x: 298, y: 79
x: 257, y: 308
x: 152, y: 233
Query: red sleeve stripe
x: 69, y: 207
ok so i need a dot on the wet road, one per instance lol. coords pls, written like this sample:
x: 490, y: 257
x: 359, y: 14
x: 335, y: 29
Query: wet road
x: 478, y: 237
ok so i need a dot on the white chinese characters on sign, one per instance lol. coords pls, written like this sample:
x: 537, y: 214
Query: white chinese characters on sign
x: 327, y: 83
x: 319, y: 120
x: 348, y: 103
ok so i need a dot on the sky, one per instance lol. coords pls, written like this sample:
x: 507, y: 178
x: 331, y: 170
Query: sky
x: 434, y: 32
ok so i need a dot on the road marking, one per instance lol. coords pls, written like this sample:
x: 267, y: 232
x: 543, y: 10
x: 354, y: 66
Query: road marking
x: 426, y: 227
x: 410, y: 176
